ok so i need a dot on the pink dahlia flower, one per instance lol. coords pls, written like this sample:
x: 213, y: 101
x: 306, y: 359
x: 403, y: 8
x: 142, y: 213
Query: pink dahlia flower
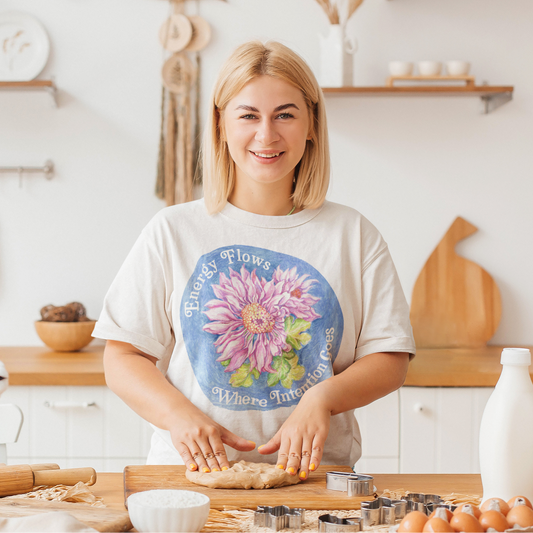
x: 300, y: 303
x: 248, y: 316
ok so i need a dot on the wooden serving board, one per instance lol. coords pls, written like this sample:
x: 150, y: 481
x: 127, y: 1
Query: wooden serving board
x: 309, y: 494
x: 455, y: 303
x: 98, y: 518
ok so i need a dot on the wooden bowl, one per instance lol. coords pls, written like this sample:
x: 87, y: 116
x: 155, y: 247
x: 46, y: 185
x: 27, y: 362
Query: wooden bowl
x: 65, y: 336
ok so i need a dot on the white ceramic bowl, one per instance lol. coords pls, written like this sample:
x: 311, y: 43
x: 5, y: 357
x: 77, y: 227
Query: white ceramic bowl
x: 457, y: 68
x: 400, y: 68
x: 429, y: 68
x: 170, y: 511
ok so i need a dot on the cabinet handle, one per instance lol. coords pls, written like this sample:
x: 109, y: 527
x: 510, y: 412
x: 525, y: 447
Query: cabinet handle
x: 68, y: 405
x: 418, y: 408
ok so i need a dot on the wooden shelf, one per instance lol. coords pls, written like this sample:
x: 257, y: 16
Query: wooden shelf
x: 43, y: 85
x: 492, y: 96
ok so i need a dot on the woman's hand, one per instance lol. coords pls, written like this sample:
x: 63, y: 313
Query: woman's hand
x: 301, y: 438
x: 200, y: 441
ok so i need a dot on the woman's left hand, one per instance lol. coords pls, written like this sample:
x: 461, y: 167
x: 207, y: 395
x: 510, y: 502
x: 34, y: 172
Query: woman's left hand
x: 300, y: 440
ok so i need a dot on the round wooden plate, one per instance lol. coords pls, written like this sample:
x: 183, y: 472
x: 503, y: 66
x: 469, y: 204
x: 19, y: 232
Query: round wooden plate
x: 177, y: 73
x: 175, y: 33
x: 201, y: 34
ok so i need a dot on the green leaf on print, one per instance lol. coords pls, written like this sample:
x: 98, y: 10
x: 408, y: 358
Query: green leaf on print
x: 282, y: 368
x: 226, y: 362
x: 289, y: 355
x: 243, y: 376
x: 296, y: 373
x: 295, y: 327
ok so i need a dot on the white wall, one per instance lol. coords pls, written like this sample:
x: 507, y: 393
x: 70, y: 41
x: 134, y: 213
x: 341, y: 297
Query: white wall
x: 411, y: 165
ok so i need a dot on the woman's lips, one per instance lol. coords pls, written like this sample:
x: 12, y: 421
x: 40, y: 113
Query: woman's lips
x: 267, y: 160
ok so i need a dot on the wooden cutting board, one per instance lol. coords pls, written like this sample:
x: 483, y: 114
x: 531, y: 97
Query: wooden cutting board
x: 455, y: 302
x: 96, y: 517
x: 310, y: 494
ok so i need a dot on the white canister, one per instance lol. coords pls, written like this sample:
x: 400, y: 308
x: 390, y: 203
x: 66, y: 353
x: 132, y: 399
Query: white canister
x: 506, y: 433
x: 336, y: 58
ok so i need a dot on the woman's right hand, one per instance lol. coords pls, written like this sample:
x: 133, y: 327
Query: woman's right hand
x: 200, y: 441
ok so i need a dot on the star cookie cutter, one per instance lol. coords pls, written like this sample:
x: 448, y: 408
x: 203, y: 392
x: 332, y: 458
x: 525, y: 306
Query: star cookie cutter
x: 279, y: 517
x: 333, y: 524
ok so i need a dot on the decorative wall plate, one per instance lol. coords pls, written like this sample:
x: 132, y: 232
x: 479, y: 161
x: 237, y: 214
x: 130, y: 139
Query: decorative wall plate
x: 177, y: 73
x: 201, y: 34
x: 24, y: 46
x: 175, y: 33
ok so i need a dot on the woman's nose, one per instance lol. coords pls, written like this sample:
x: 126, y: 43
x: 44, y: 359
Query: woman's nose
x: 266, y: 133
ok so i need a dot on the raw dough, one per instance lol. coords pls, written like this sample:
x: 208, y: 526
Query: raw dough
x: 244, y: 475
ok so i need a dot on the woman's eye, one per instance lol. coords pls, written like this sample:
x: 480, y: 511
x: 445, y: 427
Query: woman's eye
x: 285, y: 115
x: 248, y: 116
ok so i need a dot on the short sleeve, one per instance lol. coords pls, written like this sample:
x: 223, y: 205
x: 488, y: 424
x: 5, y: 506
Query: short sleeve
x: 137, y: 307
x: 385, y: 325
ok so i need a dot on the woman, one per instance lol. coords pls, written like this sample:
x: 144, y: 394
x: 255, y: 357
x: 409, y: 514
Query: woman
x: 262, y: 313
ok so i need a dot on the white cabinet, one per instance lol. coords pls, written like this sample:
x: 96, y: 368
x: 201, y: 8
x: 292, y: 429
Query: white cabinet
x: 77, y: 426
x: 439, y: 429
x: 379, y: 425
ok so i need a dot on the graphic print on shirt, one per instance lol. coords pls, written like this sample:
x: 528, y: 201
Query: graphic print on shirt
x: 260, y: 327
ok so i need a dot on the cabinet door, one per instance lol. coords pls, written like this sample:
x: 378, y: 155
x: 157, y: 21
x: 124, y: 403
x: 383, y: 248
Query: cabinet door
x: 379, y: 425
x: 439, y: 429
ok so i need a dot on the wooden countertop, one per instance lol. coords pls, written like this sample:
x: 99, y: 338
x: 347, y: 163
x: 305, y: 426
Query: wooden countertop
x: 35, y: 365
x: 457, y: 367
x: 110, y: 485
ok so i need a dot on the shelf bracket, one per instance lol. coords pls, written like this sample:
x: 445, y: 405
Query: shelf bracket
x: 52, y: 91
x: 493, y: 101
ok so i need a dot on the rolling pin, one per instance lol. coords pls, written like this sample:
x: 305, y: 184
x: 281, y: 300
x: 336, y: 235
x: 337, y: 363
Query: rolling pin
x: 19, y: 479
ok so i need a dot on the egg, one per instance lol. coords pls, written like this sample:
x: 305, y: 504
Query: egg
x: 521, y: 515
x: 494, y: 519
x: 504, y: 507
x: 466, y: 523
x: 512, y: 501
x: 475, y: 510
x: 438, y: 525
x: 447, y: 512
x: 412, y: 522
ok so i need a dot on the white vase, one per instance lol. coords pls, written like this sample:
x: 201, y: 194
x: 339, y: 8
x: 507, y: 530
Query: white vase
x: 336, y: 58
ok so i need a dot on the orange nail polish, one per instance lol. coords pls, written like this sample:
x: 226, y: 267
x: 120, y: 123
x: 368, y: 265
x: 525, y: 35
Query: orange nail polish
x: 193, y: 466
x: 290, y: 470
x: 280, y: 467
x: 252, y: 442
x: 312, y: 466
x: 224, y: 468
x: 260, y: 446
x: 205, y: 470
x: 303, y: 475
x: 215, y: 470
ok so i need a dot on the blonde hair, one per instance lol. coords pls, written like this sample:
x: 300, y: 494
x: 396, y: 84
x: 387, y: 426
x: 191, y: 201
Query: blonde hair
x: 247, y: 62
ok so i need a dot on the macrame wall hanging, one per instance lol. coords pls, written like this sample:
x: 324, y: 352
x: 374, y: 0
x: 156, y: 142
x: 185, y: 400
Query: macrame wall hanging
x: 182, y: 37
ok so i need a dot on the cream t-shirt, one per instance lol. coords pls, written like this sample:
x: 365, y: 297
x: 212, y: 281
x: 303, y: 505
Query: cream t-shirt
x: 245, y: 312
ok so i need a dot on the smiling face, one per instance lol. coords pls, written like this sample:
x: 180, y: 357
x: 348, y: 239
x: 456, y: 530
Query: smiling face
x: 266, y: 127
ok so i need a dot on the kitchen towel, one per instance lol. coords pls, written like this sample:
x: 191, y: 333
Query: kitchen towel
x: 57, y: 522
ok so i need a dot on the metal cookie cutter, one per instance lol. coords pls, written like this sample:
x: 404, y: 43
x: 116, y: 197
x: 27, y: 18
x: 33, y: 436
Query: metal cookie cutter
x: 421, y: 502
x: 279, y: 517
x: 382, y: 511
x: 350, y: 482
x: 334, y: 524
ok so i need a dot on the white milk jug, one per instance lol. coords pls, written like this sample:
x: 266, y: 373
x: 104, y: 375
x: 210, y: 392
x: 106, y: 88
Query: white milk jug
x: 506, y: 433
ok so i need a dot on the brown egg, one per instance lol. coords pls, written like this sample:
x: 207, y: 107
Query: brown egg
x: 438, y: 525
x: 466, y: 523
x: 504, y: 507
x: 512, y: 501
x: 495, y: 520
x: 412, y: 522
x: 448, y: 513
x: 459, y: 509
x: 521, y: 515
